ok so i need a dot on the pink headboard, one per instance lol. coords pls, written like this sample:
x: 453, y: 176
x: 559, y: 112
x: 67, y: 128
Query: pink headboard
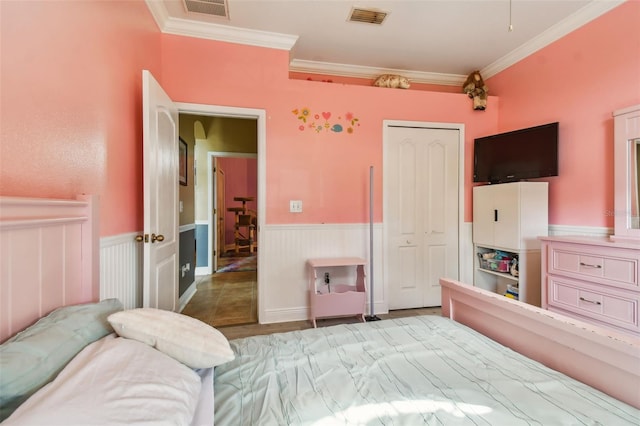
x: 49, y: 257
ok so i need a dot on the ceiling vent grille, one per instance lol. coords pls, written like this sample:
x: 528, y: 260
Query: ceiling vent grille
x: 367, y: 16
x: 209, y: 7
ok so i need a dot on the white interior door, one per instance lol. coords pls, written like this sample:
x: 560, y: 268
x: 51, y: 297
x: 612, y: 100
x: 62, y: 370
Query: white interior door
x: 421, y: 213
x: 160, y: 181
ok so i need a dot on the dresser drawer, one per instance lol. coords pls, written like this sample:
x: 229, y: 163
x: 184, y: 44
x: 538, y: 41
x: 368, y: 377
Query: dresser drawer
x: 582, y: 264
x: 610, y: 306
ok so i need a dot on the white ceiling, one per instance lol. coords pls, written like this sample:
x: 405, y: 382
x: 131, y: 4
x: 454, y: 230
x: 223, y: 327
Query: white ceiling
x: 429, y: 41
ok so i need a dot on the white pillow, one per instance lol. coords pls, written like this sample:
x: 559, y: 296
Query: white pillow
x: 115, y: 381
x: 190, y: 341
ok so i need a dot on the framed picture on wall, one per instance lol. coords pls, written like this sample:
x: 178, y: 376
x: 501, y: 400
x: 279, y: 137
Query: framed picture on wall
x: 182, y: 165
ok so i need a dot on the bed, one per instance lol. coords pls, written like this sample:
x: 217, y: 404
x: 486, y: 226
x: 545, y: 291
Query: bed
x: 416, y: 370
x: 67, y: 358
x: 487, y: 360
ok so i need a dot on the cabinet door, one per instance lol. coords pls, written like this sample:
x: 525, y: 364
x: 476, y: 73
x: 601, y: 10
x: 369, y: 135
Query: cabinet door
x: 506, y: 202
x: 483, y: 215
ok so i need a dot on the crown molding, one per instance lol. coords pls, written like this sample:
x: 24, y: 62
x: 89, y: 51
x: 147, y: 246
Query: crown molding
x: 359, y: 71
x: 588, y: 13
x: 211, y: 31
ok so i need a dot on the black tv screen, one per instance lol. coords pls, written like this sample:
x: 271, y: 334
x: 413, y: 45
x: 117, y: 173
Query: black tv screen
x: 518, y: 155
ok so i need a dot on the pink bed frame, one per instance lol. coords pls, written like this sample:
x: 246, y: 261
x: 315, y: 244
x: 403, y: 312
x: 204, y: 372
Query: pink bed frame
x: 49, y: 257
x: 601, y: 358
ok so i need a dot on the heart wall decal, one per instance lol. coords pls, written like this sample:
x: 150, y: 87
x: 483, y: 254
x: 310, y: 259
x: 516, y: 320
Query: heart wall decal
x: 320, y: 122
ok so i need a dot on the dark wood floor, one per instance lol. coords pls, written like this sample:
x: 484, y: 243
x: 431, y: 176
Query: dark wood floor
x: 228, y: 301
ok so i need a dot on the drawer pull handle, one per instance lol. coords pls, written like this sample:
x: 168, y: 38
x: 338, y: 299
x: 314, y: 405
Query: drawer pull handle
x: 590, y: 265
x: 590, y: 301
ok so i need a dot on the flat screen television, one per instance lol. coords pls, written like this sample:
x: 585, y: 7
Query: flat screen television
x: 518, y: 155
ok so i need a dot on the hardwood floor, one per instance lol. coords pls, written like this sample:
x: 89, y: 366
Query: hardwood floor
x: 240, y: 331
x: 228, y: 301
x: 225, y: 298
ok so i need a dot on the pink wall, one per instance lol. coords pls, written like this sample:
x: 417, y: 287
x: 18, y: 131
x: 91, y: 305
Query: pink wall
x: 579, y: 81
x: 328, y: 171
x: 241, y: 179
x: 71, y: 102
x: 71, y: 111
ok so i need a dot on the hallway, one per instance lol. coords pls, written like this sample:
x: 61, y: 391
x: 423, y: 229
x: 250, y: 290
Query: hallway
x: 227, y: 298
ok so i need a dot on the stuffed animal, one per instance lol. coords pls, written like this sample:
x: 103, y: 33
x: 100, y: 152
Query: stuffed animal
x: 475, y: 88
x: 393, y: 81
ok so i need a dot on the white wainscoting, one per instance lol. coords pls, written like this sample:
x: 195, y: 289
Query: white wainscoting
x: 284, y: 250
x: 121, y: 269
x: 282, y: 273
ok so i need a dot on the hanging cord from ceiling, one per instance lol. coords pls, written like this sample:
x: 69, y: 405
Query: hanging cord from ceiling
x: 510, y: 7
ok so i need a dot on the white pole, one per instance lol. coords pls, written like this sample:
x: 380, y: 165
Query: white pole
x: 372, y: 316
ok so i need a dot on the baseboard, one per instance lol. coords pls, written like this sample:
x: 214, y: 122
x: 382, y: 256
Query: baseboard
x: 186, y: 296
x: 202, y: 270
x: 272, y: 316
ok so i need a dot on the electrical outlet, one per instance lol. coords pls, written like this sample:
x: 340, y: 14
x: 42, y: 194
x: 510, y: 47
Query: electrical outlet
x: 327, y: 278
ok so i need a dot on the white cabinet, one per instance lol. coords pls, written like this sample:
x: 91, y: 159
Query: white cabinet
x: 510, y: 217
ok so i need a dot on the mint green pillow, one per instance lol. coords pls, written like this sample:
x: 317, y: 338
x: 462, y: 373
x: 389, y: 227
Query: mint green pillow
x: 34, y: 357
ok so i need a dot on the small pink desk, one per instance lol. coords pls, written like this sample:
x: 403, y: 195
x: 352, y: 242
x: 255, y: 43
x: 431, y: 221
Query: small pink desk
x: 342, y: 299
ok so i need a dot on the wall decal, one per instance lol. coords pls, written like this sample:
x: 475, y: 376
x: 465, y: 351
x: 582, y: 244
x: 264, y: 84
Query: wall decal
x: 321, y: 121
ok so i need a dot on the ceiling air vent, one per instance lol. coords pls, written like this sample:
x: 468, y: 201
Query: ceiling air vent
x: 367, y: 16
x: 209, y: 7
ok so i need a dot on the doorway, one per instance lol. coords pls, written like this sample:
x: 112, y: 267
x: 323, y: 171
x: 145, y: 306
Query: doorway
x: 423, y: 209
x: 206, y: 177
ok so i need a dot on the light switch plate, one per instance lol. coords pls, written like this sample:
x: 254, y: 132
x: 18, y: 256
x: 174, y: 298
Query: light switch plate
x: 295, y: 206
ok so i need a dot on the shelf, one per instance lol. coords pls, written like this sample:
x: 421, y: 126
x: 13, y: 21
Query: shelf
x: 499, y: 274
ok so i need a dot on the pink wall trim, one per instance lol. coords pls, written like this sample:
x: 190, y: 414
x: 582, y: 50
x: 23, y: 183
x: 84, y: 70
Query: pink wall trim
x: 579, y: 81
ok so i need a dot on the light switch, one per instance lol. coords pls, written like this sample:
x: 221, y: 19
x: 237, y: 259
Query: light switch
x: 181, y: 206
x: 295, y: 206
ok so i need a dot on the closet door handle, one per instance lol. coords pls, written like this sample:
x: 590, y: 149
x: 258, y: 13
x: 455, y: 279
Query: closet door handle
x: 495, y: 215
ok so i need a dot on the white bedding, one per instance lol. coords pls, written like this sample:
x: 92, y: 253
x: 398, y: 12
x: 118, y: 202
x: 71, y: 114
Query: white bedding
x: 205, y: 408
x: 410, y: 371
x: 115, y: 381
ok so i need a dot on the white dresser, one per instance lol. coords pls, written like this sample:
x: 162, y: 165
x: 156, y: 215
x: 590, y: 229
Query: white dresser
x: 592, y: 279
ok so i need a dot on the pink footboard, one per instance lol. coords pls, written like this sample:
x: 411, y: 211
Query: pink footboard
x: 601, y: 358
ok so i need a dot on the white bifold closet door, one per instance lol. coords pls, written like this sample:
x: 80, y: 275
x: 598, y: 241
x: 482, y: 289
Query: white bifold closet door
x: 421, y: 213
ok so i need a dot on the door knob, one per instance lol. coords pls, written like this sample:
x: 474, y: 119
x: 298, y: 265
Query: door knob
x: 155, y: 238
x: 142, y: 238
